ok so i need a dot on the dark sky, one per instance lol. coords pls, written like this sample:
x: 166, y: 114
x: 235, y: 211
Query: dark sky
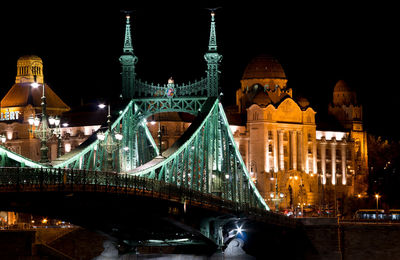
x: 317, y: 44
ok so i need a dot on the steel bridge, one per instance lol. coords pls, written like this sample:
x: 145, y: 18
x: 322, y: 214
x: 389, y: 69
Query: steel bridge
x: 203, y: 167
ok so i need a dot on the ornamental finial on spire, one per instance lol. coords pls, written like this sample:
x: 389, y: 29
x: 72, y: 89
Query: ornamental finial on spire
x: 128, y: 61
x: 213, y: 58
x: 128, y: 38
x: 212, y: 43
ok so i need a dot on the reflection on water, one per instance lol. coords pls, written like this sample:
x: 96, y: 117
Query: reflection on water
x: 233, y: 251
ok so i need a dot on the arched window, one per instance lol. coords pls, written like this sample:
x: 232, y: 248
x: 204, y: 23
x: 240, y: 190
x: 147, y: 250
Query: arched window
x: 253, y: 167
x: 269, y: 115
x: 255, y: 115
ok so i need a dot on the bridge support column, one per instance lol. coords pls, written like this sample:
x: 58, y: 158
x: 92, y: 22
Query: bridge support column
x: 281, y: 151
x: 323, y: 160
x: 343, y: 153
x: 212, y: 228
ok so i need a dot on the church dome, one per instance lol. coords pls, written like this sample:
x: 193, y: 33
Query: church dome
x: 29, y: 58
x: 303, y: 102
x: 341, y: 86
x: 264, y: 66
x: 262, y: 99
x: 343, y: 94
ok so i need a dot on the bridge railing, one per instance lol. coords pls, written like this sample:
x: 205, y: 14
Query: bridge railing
x: 17, y: 179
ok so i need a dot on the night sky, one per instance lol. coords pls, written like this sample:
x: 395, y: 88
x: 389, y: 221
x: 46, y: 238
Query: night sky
x: 317, y: 45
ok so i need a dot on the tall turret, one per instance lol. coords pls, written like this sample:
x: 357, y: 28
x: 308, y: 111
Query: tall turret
x: 213, y: 58
x: 128, y: 61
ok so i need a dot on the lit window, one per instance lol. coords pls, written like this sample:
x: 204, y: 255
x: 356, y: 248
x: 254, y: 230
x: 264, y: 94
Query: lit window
x: 67, y: 147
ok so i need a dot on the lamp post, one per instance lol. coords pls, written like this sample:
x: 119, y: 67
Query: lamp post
x: 110, y: 143
x: 55, y: 123
x: 292, y: 188
x: 159, y: 135
x: 3, y: 139
x: 45, y: 127
x: 276, y: 196
x: 42, y: 131
x: 377, y: 196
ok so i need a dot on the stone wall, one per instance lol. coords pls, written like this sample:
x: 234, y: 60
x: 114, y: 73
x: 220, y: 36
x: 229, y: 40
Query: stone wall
x: 15, y: 243
x: 371, y: 241
x: 352, y: 240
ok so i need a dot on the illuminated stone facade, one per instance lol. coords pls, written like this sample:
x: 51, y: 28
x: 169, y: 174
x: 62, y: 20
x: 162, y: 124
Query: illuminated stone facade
x: 286, y: 151
x: 23, y: 101
x: 295, y: 165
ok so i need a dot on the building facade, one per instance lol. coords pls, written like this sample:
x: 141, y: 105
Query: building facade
x: 295, y: 163
x: 23, y: 101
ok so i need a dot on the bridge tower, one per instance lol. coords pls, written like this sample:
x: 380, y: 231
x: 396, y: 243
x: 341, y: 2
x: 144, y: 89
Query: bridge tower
x: 128, y: 61
x: 205, y: 158
x: 213, y: 59
x: 204, y: 161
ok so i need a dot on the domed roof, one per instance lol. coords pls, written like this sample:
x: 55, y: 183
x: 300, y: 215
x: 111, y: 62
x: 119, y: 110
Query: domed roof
x: 30, y: 57
x: 303, y: 102
x: 262, y: 99
x: 341, y: 86
x: 343, y: 94
x: 264, y: 66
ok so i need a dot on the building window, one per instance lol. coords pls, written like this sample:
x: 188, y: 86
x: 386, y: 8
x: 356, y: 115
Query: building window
x: 163, y: 130
x: 67, y: 147
x: 285, y: 136
x: 348, y: 154
x: 255, y: 116
x: 319, y: 168
x: 270, y: 135
x: 269, y: 116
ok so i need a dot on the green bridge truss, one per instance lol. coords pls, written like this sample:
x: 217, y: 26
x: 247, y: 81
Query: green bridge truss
x: 204, y: 159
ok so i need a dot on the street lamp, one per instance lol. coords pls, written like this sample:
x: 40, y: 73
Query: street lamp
x: 152, y: 122
x: 3, y: 138
x: 159, y: 135
x: 110, y: 142
x: 56, y: 128
x: 45, y: 127
x: 277, y: 197
x: 43, y: 132
x: 377, y: 196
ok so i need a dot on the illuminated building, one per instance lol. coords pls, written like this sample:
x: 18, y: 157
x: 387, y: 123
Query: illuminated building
x: 287, y: 151
x: 23, y: 101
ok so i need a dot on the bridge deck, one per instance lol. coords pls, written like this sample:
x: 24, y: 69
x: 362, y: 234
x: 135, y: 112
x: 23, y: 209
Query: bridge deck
x: 27, y: 180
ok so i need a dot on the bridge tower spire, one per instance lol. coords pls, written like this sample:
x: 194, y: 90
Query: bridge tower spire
x: 128, y: 61
x: 213, y: 58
